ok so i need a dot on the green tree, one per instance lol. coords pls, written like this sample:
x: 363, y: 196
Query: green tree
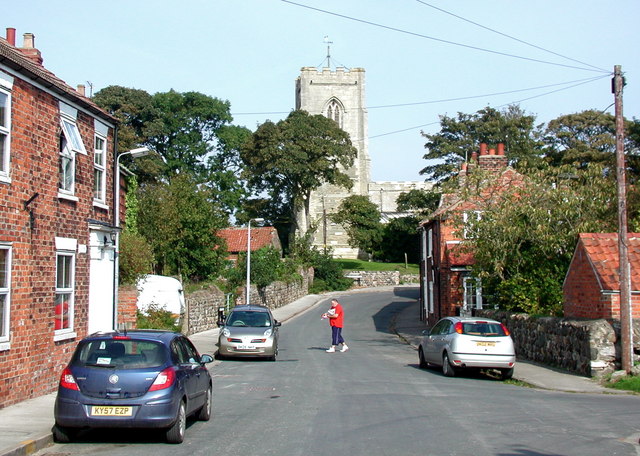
x: 180, y: 222
x: 399, y: 238
x: 420, y: 201
x: 460, y: 136
x: 524, y: 240
x: 361, y: 219
x: 289, y: 159
x: 590, y: 137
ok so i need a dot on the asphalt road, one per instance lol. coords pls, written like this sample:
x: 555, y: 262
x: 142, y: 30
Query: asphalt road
x: 374, y: 400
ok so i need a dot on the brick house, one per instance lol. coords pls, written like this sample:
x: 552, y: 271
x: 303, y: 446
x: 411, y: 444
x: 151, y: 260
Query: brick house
x: 57, y: 255
x: 446, y: 285
x: 591, y: 287
x: 236, y: 239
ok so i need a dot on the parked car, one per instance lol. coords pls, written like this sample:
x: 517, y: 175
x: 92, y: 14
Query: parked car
x: 456, y: 343
x: 248, y: 331
x: 134, y: 379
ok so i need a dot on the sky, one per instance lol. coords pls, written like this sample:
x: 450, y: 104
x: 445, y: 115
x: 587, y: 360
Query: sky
x: 423, y: 58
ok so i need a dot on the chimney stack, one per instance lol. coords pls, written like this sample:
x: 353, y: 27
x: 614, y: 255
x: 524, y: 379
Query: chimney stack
x: 11, y: 36
x: 29, y: 50
x: 492, y: 160
x: 81, y: 89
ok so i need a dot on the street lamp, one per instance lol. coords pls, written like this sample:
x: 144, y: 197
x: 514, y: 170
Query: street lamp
x: 257, y: 220
x: 134, y: 153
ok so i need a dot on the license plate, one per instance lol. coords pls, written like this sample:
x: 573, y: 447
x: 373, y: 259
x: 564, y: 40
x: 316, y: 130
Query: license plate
x: 486, y: 344
x: 111, y: 411
x: 246, y: 347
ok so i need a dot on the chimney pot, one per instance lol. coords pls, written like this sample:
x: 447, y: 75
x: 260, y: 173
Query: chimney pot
x: 11, y: 36
x: 500, y: 148
x: 29, y: 41
x: 492, y: 151
x: 483, y: 148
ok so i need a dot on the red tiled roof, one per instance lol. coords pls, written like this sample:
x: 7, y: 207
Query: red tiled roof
x: 260, y: 237
x: 602, y: 250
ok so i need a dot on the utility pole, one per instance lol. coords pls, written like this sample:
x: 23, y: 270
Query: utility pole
x: 626, y: 320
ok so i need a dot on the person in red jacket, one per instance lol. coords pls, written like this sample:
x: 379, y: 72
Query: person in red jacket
x: 336, y: 320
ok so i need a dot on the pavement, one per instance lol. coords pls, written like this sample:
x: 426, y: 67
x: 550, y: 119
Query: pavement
x: 26, y: 427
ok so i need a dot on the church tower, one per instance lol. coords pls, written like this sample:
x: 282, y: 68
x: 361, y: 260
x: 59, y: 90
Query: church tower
x: 338, y: 95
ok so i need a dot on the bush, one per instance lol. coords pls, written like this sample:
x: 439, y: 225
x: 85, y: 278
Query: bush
x: 156, y: 318
x: 136, y: 257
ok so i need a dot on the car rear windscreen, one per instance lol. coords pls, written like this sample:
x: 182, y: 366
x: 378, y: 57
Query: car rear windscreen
x: 483, y: 329
x: 128, y: 354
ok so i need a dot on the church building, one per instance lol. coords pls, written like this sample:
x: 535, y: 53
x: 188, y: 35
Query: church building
x: 340, y: 95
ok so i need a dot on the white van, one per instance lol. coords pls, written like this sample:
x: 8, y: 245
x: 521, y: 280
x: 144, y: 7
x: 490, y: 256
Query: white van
x: 161, y: 292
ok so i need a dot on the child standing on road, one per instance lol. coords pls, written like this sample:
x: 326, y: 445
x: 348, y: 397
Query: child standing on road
x: 336, y: 320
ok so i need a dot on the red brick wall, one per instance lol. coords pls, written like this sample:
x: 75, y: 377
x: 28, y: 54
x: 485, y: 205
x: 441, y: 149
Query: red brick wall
x: 128, y: 306
x: 583, y: 297
x: 32, y: 364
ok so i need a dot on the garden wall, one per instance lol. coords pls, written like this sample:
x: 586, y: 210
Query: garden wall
x: 586, y: 347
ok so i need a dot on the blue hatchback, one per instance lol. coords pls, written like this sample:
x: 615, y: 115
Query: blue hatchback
x: 135, y: 379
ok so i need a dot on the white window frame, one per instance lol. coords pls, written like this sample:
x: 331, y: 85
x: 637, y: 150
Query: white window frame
x: 5, y: 300
x: 100, y: 170
x: 475, y: 285
x: 68, y: 289
x: 66, y: 153
x: 465, y: 221
x: 5, y: 136
x: 72, y: 134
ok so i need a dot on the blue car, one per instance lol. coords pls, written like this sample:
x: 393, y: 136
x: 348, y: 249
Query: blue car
x: 136, y: 379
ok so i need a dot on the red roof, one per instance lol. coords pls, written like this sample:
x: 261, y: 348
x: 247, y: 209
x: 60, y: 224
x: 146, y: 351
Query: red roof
x: 602, y: 250
x: 260, y: 237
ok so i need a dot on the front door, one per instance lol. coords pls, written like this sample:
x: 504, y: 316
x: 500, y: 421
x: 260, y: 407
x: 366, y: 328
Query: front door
x: 101, y: 281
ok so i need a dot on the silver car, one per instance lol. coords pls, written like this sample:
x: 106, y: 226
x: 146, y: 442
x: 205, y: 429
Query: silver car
x: 248, y: 331
x: 456, y: 343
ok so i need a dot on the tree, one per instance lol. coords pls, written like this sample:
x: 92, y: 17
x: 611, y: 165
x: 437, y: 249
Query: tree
x: 294, y: 157
x: 590, y: 137
x: 421, y: 201
x: 459, y: 137
x: 525, y: 237
x: 180, y: 222
x: 361, y: 219
x: 399, y: 238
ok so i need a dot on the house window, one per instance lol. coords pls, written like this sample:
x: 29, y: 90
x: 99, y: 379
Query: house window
x: 65, y: 272
x: 99, y: 175
x: 334, y: 112
x: 472, y: 293
x: 66, y: 173
x: 5, y: 292
x: 72, y: 135
x: 468, y: 218
x: 5, y: 130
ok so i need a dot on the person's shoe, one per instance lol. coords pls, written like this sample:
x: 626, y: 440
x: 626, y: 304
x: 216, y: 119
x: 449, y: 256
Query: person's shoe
x: 331, y: 350
x: 344, y: 348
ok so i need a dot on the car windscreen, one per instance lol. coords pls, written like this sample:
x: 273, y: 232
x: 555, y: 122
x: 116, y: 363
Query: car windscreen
x: 485, y: 329
x: 127, y: 354
x: 249, y: 319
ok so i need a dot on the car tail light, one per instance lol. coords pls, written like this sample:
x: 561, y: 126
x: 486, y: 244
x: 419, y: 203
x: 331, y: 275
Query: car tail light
x: 458, y: 327
x: 258, y: 341
x: 68, y: 381
x: 121, y: 338
x: 504, y: 328
x: 165, y: 379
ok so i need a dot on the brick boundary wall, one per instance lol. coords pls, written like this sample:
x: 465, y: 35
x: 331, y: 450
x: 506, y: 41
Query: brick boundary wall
x: 586, y: 347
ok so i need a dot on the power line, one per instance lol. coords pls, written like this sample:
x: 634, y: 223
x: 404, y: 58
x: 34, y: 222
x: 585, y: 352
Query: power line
x: 419, y: 35
x: 508, y: 36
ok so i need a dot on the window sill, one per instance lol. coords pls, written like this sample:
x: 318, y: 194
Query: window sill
x: 66, y: 335
x: 5, y: 179
x: 68, y: 197
x: 100, y: 205
x: 4, y: 346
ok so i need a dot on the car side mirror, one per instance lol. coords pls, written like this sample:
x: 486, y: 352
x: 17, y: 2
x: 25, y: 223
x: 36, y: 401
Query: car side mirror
x: 220, y: 322
x: 205, y: 359
x: 426, y: 332
x: 277, y: 323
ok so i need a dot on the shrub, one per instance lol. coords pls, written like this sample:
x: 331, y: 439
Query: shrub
x: 157, y: 318
x: 136, y: 257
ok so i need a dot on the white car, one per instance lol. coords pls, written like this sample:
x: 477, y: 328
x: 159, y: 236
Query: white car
x: 456, y: 343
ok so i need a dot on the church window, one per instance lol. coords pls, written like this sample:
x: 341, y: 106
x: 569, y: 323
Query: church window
x: 334, y: 112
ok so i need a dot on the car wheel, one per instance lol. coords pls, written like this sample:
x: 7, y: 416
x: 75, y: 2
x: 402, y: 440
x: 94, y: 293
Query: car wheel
x: 506, y: 374
x: 447, y: 369
x: 423, y: 362
x: 204, y: 414
x: 62, y: 434
x: 218, y: 356
x: 175, y: 434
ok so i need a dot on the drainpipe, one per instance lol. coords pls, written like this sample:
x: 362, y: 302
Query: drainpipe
x: 116, y: 255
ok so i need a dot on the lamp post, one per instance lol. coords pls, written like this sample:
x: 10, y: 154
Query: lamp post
x: 248, y: 294
x: 134, y: 153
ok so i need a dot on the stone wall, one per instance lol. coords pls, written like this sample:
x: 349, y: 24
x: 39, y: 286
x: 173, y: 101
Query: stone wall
x: 278, y: 294
x: 366, y: 279
x: 587, y: 347
x: 201, y: 308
